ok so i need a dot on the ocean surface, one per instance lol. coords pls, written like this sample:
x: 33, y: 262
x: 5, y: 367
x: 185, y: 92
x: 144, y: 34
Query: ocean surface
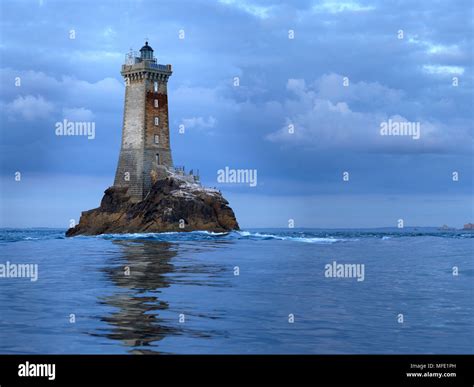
x: 247, y: 292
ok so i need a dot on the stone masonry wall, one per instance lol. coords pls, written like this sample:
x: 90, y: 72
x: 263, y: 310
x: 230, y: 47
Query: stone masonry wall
x: 138, y: 161
x: 162, y: 130
x: 131, y: 160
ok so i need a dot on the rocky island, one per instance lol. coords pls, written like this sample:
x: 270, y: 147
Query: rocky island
x: 172, y: 204
x: 149, y: 193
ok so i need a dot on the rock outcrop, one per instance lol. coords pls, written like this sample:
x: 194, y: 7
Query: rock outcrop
x: 171, y: 205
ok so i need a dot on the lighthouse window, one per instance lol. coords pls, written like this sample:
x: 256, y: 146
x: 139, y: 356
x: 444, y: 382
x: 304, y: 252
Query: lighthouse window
x: 157, y: 121
x: 157, y: 158
x: 157, y: 139
x: 156, y: 103
x: 155, y: 86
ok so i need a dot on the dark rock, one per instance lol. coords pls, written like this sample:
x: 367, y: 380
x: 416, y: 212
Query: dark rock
x: 169, y: 203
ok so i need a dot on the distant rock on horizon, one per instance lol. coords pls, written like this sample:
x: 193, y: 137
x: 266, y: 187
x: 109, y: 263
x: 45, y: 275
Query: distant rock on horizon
x: 172, y: 204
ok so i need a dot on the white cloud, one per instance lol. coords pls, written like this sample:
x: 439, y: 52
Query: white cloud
x: 66, y: 88
x: 258, y: 11
x: 78, y: 114
x: 201, y: 102
x: 330, y: 86
x: 442, y: 49
x: 29, y: 108
x: 443, y: 70
x: 322, y: 120
x: 101, y: 96
x: 82, y: 92
x: 432, y: 48
x: 95, y: 56
x: 341, y: 6
x: 443, y: 55
x: 199, y: 122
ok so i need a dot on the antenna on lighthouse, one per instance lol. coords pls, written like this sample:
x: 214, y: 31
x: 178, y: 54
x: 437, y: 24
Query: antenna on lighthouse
x: 130, y: 57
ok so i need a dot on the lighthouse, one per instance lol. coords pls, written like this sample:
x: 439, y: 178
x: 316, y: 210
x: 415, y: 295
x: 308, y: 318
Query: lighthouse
x: 145, y: 153
x: 169, y: 198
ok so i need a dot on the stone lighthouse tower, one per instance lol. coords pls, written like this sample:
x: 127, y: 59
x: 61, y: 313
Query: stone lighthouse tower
x: 145, y: 154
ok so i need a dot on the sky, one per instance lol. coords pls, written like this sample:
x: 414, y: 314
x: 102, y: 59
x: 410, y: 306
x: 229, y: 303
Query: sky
x: 296, y: 90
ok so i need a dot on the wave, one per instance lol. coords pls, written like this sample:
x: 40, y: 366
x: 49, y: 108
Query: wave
x: 257, y: 235
x: 170, y: 235
x: 30, y: 235
x: 307, y: 236
x: 208, y: 235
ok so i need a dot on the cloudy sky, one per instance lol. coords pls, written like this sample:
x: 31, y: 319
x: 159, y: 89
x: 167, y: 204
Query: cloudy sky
x: 316, y: 79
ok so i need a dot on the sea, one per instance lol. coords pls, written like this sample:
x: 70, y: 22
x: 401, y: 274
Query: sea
x: 255, y: 291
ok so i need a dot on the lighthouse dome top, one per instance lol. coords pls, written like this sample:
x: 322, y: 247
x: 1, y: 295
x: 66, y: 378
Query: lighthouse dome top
x: 146, y: 52
x: 146, y: 47
x: 144, y: 60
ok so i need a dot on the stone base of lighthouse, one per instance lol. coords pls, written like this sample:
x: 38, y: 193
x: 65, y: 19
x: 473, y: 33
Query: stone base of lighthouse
x: 138, y: 170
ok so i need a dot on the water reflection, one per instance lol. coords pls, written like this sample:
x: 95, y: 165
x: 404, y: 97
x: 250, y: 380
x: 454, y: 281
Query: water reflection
x: 137, y: 322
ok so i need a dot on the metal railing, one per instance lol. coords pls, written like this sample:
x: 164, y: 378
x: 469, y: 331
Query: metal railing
x: 180, y: 170
x: 147, y: 64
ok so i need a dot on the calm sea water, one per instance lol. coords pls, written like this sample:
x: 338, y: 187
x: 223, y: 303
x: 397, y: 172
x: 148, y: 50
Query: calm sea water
x: 192, y: 276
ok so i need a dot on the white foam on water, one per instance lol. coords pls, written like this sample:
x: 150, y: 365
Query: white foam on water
x: 242, y: 234
x: 290, y: 238
x: 158, y: 234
